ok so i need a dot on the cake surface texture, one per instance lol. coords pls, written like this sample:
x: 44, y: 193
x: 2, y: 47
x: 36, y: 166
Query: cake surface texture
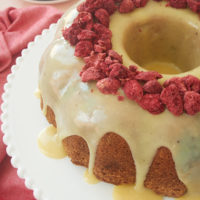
x: 149, y: 137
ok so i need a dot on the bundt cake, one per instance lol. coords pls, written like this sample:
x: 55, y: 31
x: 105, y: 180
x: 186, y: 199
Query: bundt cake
x: 120, y: 83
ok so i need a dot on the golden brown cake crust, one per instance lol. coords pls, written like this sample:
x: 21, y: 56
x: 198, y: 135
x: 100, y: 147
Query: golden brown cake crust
x: 77, y: 149
x: 50, y: 116
x: 162, y: 177
x: 114, y: 163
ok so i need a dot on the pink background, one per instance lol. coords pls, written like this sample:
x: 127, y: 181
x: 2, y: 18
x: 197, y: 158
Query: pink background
x: 21, y: 3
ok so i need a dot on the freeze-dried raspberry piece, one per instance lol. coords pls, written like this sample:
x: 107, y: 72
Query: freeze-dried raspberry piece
x: 81, y: 7
x: 110, y: 6
x: 102, y: 16
x: 126, y: 6
x: 118, y: 71
x: 148, y: 76
x: 152, y: 103
x: 86, y: 35
x: 99, y: 49
x: 108, y: 85
x: 194, y: 5
x: 83, y: 49
x: 92, y: 74
x: 192, y: 83
x: 171, y: 97
x: 110, y: 61
x: 102, y: 31
x: 192, y: 102
x: 84, y: 20
x: 104, y: 68
x: 133, y: 68
x: 178, y: 3
x: 152, y: 87
x: 179, y: 84
x: 104, y: 43
x: 92, y: 5
x: 140, y: 3
x: 94, y: 59
x: 133, y: 90
x: 114, y: 55
x: 71, y: 34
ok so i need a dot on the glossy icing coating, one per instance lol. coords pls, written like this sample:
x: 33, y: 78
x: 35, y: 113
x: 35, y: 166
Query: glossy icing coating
x: 90, y: 115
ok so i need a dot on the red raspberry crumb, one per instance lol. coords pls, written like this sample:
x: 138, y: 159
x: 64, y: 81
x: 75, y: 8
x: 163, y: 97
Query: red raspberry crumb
x: 126, y: 6
x: 140, y: 3
x: 120, y: 98
x: 92, y: 5
x: 71, y: 34
x: 148, y: 76
x: 84, y: 20
x: 114, y: 55
x: 92, y: 74
x: 152, y: 87
x: 108, y: 85
x: 104, y: 68
x: 81, y: 7
x: 102, y: 31
x: 132, y: 72
x: 87, y: 35
x: 171, y: 97
x: 99, y: 49
x: 133, y: 68
x: 83, y: 49
x: 133, y: 90
x: 118, y: 71
x: 194, y: 5
x: 192, y: 102
x: 94, y: 59
x: 102, y: 16
x: 192, y: 83
x: 178, y: 3
x: 104, y: 44
x: 152, y: 103
x: 110, y: 6
x: 179, y: 84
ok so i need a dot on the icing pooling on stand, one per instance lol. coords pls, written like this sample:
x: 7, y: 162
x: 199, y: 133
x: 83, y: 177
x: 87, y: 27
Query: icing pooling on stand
x: 90, y: 115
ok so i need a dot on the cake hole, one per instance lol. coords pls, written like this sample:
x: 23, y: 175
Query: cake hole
x: 166, y: 45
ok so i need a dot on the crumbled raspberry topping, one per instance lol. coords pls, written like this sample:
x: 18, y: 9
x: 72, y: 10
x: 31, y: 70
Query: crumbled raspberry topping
x: 102, y: 16
x: 178, y: 82
x: 192, y: 102
x: 178, y: 3
x: 126, y: 6
x: 108, y: 85
x: 140, y: 3
x: 152, y: 103
x: 191, y: 83
x: 92, y: 74
x: 148, y: 76
x: 91, y: 37
x: 153, y: 87
x: 133, y: 90
x: 194, y: 5
x: 171, y: 97
x: 83, y: 49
